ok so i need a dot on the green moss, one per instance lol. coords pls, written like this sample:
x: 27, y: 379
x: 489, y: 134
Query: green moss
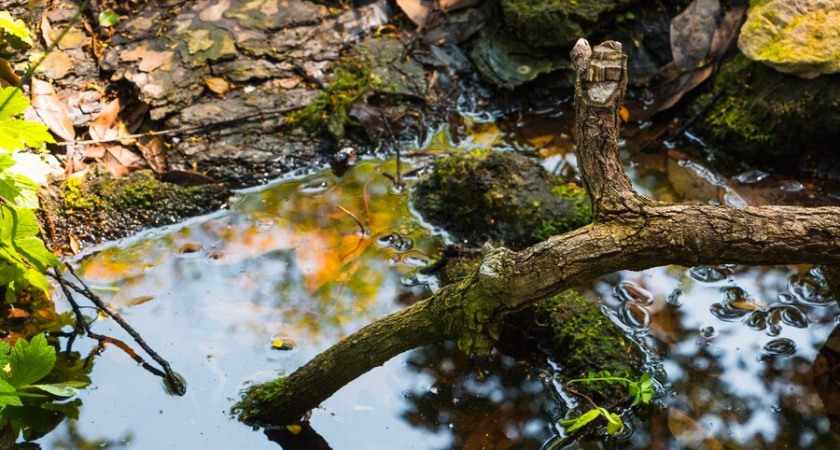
x: 499, y: 196
x: 582, y: 213
x: 553, y: 23
x: 329, y: 112
x: 579, y: 337
x: 732, y: 115
x: 75, y: 199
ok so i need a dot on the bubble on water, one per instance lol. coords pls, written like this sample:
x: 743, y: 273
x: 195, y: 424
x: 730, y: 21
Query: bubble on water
x: 675, y: 298
x: 710, y: 274
x: 708, y: 332
x: 726, y: 313
x: 434, y: 389
x: 751, y: 176
x: 837, y: 319
x: 189, y: 249
x: 809, y: 290
x: 774, y: 330
x: 791, y: 186
x: 394, y: 240
x: 215, y: 255
x: 785, y: 297
x: 415, y: 278
x: 634, y: 316
x: 779, y: 347
x: 628, y: 291
x: 790, y: 315
x: 315, y: 186
x: 265, y: 224
x: 756, y: 320
x: 776, y: 408
x: 415, y: 260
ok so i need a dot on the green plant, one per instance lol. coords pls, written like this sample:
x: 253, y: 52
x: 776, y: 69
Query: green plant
x: 23, y: 366
x: 23, y: 257
x: 641, y: 391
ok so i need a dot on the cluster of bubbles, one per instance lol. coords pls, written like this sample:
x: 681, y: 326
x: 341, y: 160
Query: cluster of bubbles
x: 632, y: 311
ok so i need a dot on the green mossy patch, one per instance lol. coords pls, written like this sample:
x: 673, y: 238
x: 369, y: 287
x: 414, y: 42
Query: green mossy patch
x: 764, y: 116
x: 504, y: 197
x: 555, y: 23
x: 98, y: 207
x: 330, y: 111
x: 579, y: 337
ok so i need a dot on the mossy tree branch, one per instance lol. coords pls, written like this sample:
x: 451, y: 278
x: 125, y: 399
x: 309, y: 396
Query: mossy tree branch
x: 629, y: 232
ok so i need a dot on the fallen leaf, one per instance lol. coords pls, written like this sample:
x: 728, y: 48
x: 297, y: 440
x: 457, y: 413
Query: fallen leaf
x: 74, y: 243
x: 691, y: 32
x: 726, y: 34
x: 416, y: 10
x: 56, y: 65
x: 46, y: 30
x: 8, y: 74
x: 51, y: 110
x: 218, y: 85
x: 153, y: 150
x: 105, y: 121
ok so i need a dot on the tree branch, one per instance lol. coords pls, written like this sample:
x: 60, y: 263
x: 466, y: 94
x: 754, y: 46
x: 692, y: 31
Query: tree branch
x: 630, y: 232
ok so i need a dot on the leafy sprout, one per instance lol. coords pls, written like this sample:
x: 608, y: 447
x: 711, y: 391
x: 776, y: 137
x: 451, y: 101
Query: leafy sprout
x: 641, y: 391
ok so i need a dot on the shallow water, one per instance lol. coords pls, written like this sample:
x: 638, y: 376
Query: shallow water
x: 254, y: 292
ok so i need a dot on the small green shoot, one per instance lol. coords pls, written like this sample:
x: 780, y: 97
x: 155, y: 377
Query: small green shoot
x: 641, y: 391
x: 108, y: 18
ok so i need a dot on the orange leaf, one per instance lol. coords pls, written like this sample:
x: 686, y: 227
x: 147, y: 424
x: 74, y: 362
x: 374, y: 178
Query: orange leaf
x: 105, y: 120
x: 51, y: 110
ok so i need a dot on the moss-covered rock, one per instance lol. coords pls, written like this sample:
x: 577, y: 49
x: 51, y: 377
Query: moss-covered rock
x: 554, y: 23
x: 579, y: 337
x: 99, y: 207
x: 764, y: 116
x: 793, y: 36
x: 504, y: 197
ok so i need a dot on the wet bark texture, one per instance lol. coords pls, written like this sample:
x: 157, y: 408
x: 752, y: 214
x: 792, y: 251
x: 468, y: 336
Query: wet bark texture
x: 629, y: 232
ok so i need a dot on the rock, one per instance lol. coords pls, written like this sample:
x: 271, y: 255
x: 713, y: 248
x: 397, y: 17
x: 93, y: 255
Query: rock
x: 768, y: 117
x: 552, y: 23
x: 504, y: 197
x: 691, y: 32
x: 508, y: 63
x: 798, y: 37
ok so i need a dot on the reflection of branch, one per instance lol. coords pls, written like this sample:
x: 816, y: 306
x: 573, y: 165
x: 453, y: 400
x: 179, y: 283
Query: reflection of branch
x: 173, y: 381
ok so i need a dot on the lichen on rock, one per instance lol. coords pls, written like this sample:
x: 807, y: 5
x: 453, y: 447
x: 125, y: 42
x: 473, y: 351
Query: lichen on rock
x: 798, y: 37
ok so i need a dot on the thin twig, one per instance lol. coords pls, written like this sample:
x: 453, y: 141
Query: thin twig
x: 80, y: 319
x: 358, y: 222
x: 397, y: 179
x: 190, y: 128
x: 175, y: 382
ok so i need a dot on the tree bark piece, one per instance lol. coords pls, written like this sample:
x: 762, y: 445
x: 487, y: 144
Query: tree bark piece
x: 630, y: 232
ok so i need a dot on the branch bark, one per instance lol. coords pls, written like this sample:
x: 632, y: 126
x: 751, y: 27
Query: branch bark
x: 629, y: 232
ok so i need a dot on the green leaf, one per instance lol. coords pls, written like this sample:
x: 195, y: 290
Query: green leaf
x: 6, y: 161
x: 58, y: 389
x: 30, y: 361
x: 26, y: 224
x: 69, y: 409
x: 7, y: 395
x: 585, y: 418
x: 15, y: 134
x: 36, y: 253
x: 14, y: 30
x: 614, y: 424
x: 18, y: 190
x: 646, y: 397
x: 12, y: 101
x: 108, y: 18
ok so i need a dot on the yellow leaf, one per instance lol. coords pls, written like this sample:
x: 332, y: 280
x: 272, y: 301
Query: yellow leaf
x: 294, y: 429
x: 217, y: 85
x: 624, y: 114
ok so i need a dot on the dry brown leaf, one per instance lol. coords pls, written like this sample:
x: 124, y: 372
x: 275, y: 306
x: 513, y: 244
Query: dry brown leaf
x: 51, y: 110
x: 691, y: 32
x: 217, y: 85
x: 8, y: 74
x: 94, y: 151
x: 153, y: 150
x: 416, y: 10
x: 46, y: 30
x: 290, y: 83
x: 105, y: 121
x: 74, y: 157
x: 727, y: 33
x: 74, y: 244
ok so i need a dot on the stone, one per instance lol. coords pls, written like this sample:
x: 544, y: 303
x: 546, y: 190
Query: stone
x: 798, y: 37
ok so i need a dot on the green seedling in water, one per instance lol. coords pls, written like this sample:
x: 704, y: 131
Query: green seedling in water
x: 642, y: 392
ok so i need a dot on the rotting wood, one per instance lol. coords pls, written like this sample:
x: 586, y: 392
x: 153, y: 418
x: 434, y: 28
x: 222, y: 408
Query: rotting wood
x: 629, y: 232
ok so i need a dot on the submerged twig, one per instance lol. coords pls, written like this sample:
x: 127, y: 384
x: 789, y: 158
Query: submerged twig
x: 358, y: 222
x: 397, y: 179
x: 173, y: 380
